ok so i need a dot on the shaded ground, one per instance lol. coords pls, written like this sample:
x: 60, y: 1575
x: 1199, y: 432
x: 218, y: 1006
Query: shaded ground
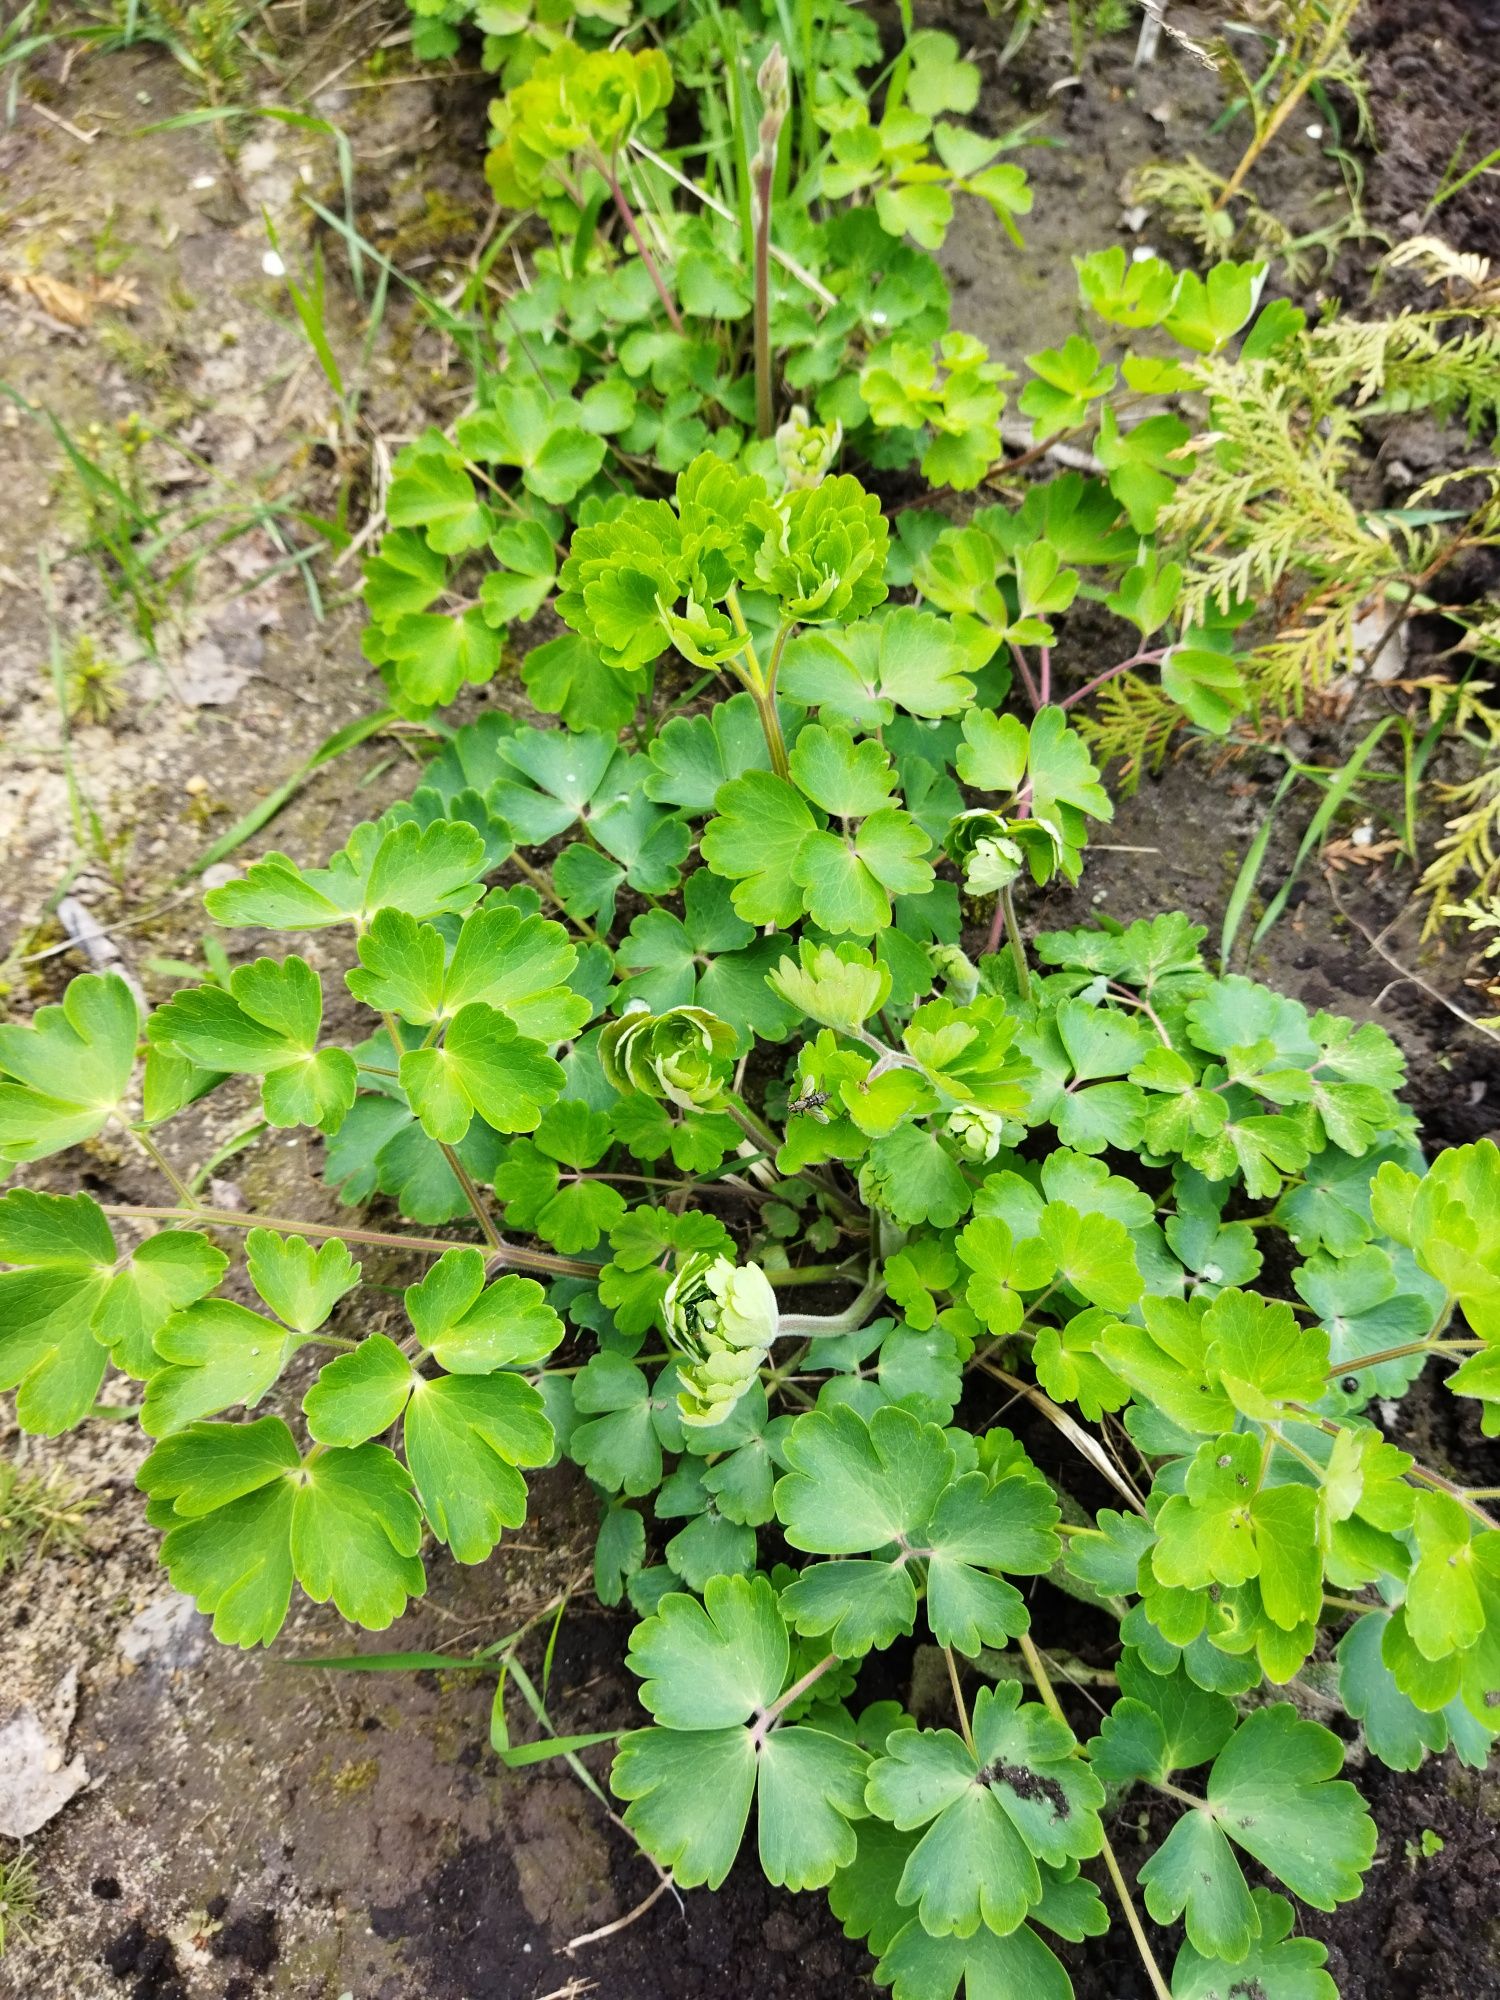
x: 256, y: 1828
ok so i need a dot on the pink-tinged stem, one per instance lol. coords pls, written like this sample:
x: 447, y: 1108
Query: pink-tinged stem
x: 1044, y: 690
x: 1025, y: 672
x: 1150, y: 659
x: 765, y: 412
x: 627, y: 216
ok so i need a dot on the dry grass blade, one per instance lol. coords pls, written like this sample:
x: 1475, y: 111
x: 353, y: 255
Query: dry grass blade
x: 1089, y: 1447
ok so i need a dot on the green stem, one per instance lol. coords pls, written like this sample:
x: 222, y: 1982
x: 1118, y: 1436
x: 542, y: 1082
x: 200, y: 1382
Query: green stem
x: 761, y: 686
x: 159, y: 1160
x: 1017, y: 944
x: 850, y: 1320
x: 1048, y: 1693
x: 769, y: 1717
x: 478, y: 1206
x: 958, y: 1702
x: 538, y: 879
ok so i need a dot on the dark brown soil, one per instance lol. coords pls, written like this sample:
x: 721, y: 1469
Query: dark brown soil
x: 1431, y: 71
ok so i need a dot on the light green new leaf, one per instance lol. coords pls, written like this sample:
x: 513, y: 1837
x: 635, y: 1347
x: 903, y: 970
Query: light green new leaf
x: 356, y: 1531
x: 484, y: 1066
x: 68, y: 1069
x: 761, y: 825
x: 266, y: 1024
x: 300, y: 1284
x: 218, y: 1354
x: 425, y: 871
x: 464, y: 1436
x: 471, y: 1328
x: 1263, y: 1358
x: 359, y: 1395
x: 73, y: 1302
x: 227, y: 1496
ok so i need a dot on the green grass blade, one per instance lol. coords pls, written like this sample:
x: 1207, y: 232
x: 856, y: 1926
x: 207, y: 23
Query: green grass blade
x: 1333, y: 799
x: 1249, y: 875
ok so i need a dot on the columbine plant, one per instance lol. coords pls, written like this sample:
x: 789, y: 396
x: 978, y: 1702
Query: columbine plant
x: 1058, y: 1177
x: 670, y: 1021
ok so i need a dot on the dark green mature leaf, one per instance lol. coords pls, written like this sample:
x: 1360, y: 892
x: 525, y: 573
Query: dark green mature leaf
x: 708, y: 1670
x: 1278, y: 1965
x: 1019, y: 1797
x: 892, y: 1483
x: 1273, y: 1791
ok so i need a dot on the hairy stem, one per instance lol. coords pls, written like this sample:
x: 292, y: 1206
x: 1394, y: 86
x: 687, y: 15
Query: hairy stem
x: 478, y: 1206
x: 378, y: 1239
x: 163, y: 1165
x: 1024, y: 670
x: 760, y: 684
x: 775, y: 97
x: 1017, y: 944
x: 850, y: 1320
x: 1400, y: 1354
x: 765, y: 409
x: 1148, y: 659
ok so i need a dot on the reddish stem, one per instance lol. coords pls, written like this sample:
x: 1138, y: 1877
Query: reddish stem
x: 1149, y: 659
x: 627, y: 216
x: 1025, y: 672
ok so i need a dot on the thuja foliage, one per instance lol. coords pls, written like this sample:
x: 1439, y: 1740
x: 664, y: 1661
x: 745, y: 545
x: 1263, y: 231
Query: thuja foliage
x: 662, y: 1008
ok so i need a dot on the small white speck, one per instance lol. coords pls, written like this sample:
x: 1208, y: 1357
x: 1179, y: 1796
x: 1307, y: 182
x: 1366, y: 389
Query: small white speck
x: 1141, y: 252
x: 877, y: 318
x: 1362, y: 836
x: 273, y: 266
x: 1315, y: 130
x: 205, y: 181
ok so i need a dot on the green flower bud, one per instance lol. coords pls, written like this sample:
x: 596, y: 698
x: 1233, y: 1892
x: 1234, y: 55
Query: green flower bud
x: 805, y: 450
x: 721, y: 1319
x: 981, y: 843
x: 682, y: 1055
x: 979, y: 1133
x: 957, y: 971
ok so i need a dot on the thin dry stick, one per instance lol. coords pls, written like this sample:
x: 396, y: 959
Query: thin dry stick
x: 1415, y: 978
x: 620, y: 1923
